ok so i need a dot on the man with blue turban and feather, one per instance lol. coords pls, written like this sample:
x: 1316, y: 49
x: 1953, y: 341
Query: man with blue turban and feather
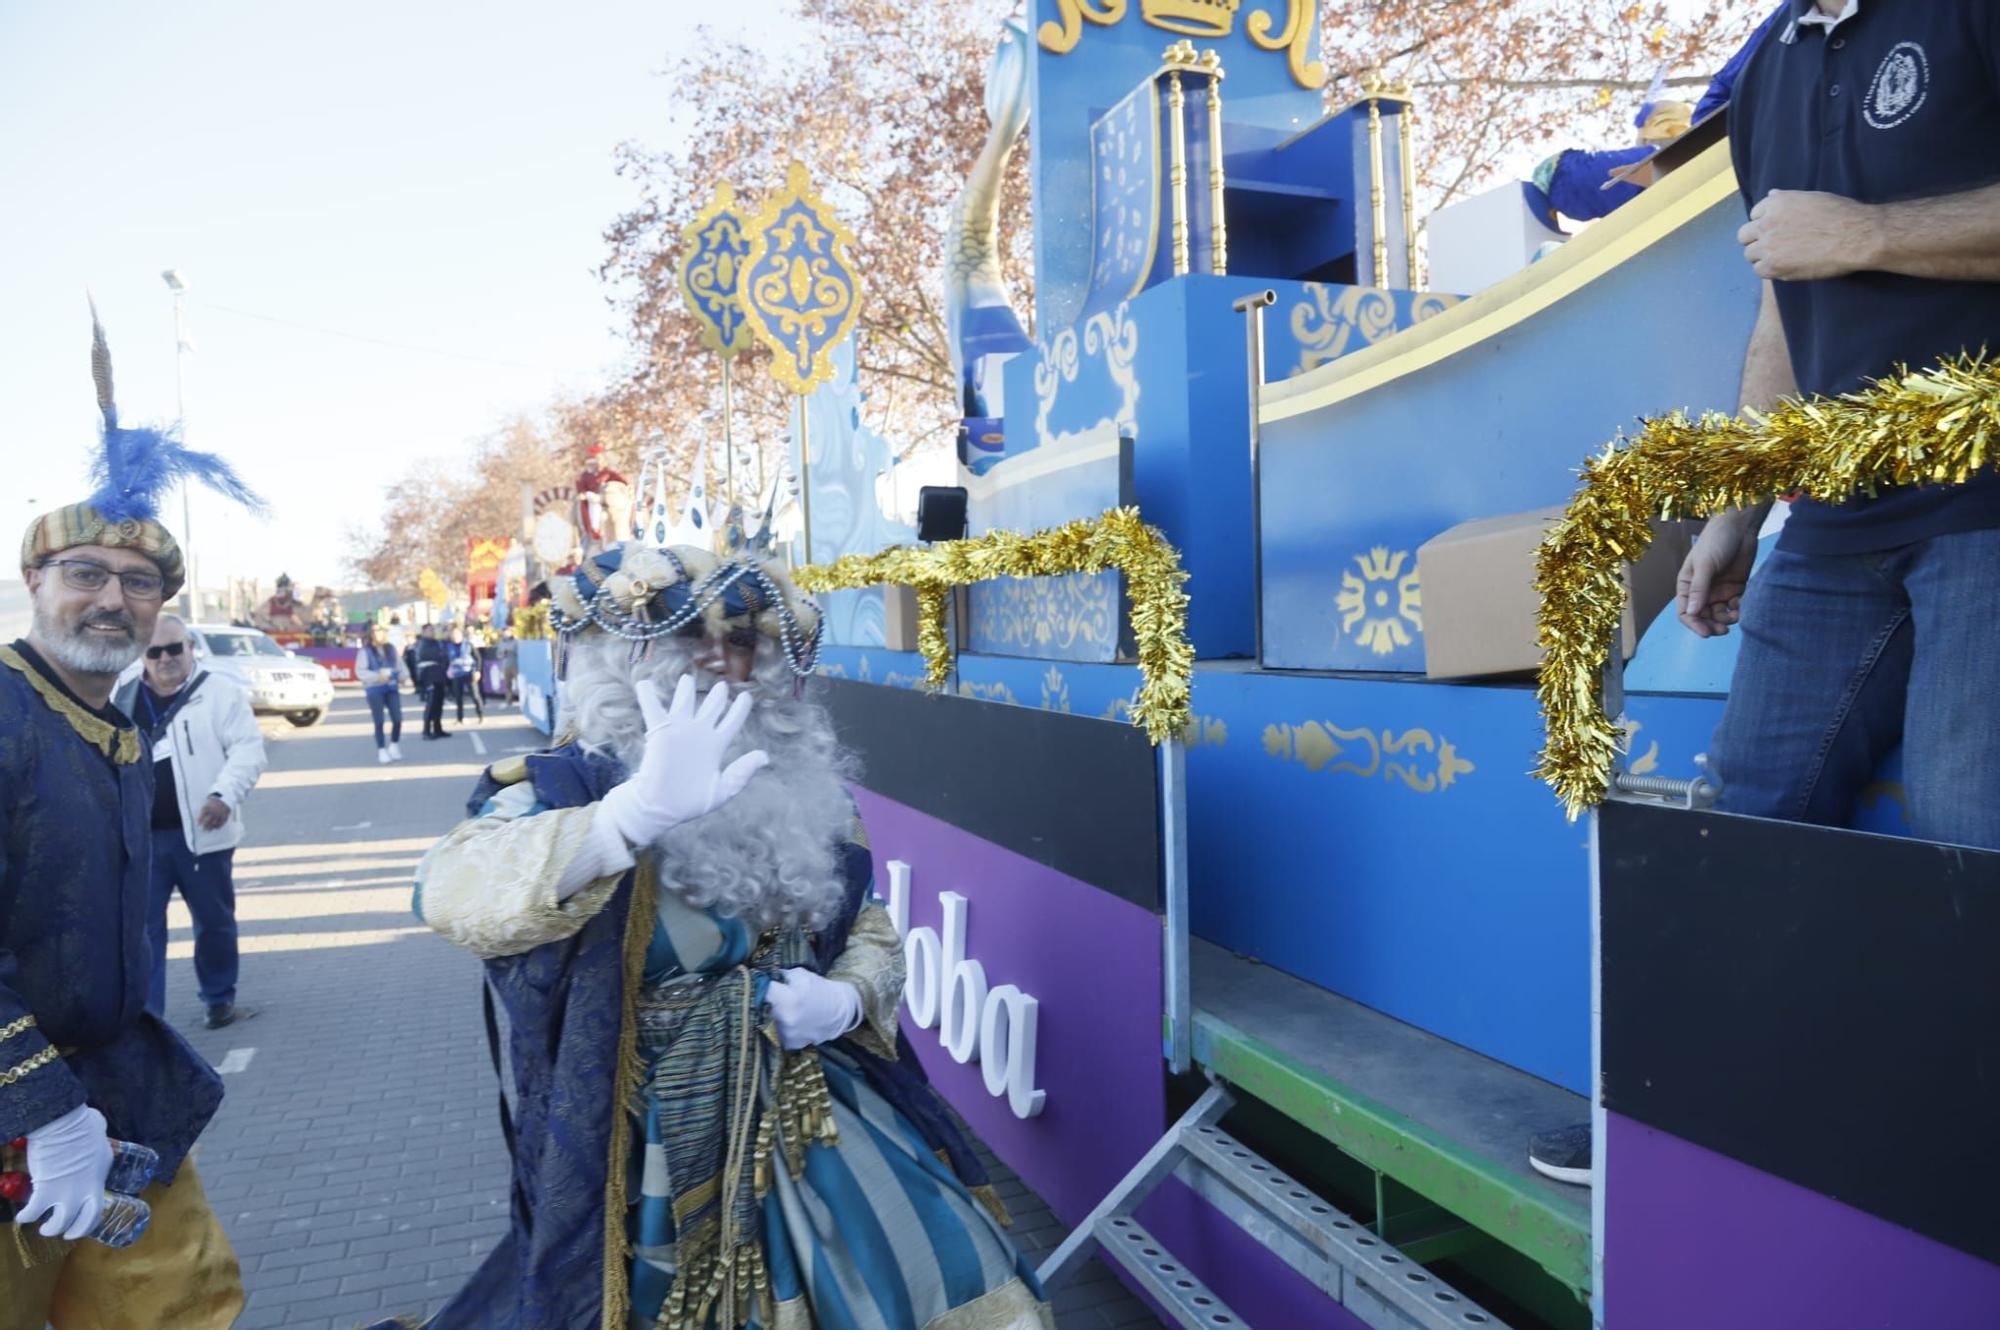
x: 715, y: 1121
x: 82, y: 1062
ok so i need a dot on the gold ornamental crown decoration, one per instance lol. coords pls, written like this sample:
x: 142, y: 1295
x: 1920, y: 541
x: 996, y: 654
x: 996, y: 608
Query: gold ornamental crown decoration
x: 1196, y: 18
x: 801, y: 296
x: 1154, y: 582
x: 1938, y: 427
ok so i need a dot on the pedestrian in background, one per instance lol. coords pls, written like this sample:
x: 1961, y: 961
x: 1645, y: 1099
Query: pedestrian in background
x: 376, y: 666
x: 462, y: 675
x: 407, y: 649
x: 509, y: 648
x: 207, y: 756
x: 433, y: 658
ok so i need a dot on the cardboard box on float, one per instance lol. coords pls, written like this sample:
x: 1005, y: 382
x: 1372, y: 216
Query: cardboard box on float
x: 1479, y: 600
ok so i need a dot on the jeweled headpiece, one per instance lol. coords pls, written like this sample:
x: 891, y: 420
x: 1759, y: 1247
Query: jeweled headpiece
x: 640, y: 593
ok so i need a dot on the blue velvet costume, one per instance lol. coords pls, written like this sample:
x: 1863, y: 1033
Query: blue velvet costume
x: 565, y: 1002
x: 76, y: 796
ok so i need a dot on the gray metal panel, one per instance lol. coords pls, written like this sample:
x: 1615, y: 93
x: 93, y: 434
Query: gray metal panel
x: 1484, y: 1107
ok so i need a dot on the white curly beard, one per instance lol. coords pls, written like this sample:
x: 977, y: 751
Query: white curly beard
x: 770, y: 856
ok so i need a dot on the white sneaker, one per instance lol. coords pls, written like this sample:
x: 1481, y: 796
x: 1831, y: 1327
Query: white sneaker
x: 382, y: 756
x: 395, y: 752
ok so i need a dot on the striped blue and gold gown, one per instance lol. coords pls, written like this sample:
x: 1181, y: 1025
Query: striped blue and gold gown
x: 849, y: 1220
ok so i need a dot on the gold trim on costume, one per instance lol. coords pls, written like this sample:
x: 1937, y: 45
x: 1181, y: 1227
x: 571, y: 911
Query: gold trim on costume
x: 1675, y: 202
x: 27, y: 1068
x: 631, y: 1074
x: 120, y: 745
x: 1005, y: 1308
x: 13, y: 1028
x: 509, y: 770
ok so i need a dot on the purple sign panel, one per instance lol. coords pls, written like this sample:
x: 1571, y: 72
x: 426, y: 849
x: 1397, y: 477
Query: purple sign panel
x: 1693, y: 1238
x: 1033, y: 1002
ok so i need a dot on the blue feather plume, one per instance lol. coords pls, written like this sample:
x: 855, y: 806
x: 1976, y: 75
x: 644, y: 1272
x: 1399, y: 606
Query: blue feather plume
x: 135, y: 468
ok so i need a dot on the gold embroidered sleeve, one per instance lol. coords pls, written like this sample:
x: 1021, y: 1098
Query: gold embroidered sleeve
x: 490, y: 885
x: 873, y: 963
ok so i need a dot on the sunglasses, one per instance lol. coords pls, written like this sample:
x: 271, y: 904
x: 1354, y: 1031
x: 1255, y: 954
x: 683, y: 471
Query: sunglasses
x: 169, y: 649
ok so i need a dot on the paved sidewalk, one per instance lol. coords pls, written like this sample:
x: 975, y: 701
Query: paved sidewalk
x: 357, y: 1162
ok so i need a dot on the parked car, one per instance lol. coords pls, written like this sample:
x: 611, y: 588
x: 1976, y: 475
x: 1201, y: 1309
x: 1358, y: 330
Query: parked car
x: 278, y: 682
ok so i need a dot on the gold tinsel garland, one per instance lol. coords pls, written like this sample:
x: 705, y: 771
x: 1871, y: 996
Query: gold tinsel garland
x: 1932, y: 428
x: 1118, y: 539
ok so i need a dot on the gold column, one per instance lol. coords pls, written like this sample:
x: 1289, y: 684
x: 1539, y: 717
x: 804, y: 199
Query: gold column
x: 1406, y: 168
x: 1377, y: 204
x: 1177, y: 173
x: 1218, y: 243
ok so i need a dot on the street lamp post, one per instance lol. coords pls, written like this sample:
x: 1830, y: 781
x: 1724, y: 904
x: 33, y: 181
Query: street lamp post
x: 177, y: 283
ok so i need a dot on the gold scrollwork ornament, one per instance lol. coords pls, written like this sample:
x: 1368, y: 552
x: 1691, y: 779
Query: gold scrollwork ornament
x: 1061, y: 37
x: 1294, y: 39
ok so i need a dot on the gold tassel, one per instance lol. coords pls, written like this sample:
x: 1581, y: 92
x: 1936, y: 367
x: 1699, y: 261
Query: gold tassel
x: 1933, y: 428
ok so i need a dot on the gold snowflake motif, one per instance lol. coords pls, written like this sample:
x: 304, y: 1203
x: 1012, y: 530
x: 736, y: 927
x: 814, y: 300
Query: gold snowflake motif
x: 1381, y: 605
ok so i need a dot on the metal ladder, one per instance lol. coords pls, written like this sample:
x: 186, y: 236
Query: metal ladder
x: 1358, y: 1271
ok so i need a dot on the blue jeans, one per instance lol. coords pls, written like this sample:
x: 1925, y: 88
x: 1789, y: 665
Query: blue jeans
x: 386, y: 700
x: 206, y: 885
x: 1845, y: 656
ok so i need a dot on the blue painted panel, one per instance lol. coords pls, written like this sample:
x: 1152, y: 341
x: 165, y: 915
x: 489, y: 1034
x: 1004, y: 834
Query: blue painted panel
x: 891, y: 669
x: 1379, y: 838
x: 1385, y: 841
x: 536, y: 665
x: 1072, y: 90
x: 1351, y: 490
x: 1167, y: 369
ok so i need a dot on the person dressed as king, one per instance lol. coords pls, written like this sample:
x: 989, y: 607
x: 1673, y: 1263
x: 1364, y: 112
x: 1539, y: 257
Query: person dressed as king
x: 714, y: 1119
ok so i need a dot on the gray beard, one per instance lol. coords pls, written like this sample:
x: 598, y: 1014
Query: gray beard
x: 770, y: 856
x: 83, y: 651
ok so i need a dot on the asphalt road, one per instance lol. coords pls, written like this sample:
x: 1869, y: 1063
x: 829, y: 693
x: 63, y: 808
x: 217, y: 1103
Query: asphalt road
x: 357, y: 1163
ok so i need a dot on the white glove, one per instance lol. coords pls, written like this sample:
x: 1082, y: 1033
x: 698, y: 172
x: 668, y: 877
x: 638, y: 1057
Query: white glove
x: 681, y: 775
x: 808, y: 1008
x: 68, y: 1160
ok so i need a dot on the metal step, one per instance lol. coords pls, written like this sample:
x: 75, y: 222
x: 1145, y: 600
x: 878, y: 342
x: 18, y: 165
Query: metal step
x: 1128, y: 1245
x: 1358, y: 1271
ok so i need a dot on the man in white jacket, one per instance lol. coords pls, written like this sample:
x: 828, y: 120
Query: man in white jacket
x: 207, y: 753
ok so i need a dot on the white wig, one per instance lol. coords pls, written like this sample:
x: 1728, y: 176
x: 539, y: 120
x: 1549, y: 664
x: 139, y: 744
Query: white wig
x: 771, y: 855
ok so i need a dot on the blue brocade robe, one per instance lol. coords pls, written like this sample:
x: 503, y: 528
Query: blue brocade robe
x: 597, y: 1247
x: 76, y: 800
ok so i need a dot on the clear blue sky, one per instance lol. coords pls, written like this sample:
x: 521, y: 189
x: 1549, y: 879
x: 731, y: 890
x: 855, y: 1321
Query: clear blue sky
x: 436, y: 175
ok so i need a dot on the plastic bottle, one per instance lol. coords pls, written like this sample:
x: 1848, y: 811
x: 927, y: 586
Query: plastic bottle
x: 125, y: 1217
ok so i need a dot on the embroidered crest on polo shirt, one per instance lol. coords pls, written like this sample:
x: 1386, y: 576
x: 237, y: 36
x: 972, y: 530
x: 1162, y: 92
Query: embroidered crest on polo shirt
x: 1901, y: 84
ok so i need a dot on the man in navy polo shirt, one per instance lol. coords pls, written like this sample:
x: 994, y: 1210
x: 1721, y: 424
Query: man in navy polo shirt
x: 1866, y: 136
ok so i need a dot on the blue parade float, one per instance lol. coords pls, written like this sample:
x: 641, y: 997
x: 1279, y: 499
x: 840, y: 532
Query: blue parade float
x: 1269, y: 1013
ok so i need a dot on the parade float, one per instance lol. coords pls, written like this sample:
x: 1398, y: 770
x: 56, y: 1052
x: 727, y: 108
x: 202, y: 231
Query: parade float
x: 1238, y: 919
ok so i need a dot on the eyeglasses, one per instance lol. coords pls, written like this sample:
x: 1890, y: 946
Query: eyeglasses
x: 83, y: 575
x: 165, y: 649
